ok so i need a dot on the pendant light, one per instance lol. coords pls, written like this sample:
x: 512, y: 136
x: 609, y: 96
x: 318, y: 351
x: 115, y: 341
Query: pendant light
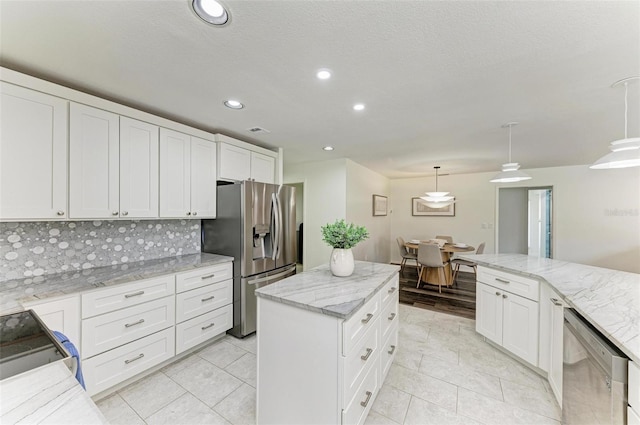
x: 437, y: 199
x: 624, y: 152
x: 510, y: 172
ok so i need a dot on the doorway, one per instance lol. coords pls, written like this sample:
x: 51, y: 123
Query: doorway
x: 525, y: 221
x: 299, y: 224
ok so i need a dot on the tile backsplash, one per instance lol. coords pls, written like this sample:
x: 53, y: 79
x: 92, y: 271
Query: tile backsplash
x: 32, y: 249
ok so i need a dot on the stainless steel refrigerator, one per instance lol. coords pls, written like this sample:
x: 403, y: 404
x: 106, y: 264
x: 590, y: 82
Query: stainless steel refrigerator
x: 255, y: 224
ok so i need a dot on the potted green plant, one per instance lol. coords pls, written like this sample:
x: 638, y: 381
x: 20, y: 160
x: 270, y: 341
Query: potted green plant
x: 343, y: 236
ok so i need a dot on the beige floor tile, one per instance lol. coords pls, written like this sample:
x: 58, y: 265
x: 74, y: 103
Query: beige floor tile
x: 422, y: 412
x: 409, y: 359
x: 186, y: 410
x: 423, y: 386
x: 150, y: 394
x: 374, y: 418
x: 244, y: 368
x: 221, y: 353
x: 205, y: 381
x: 118, y: 412
x: 248, y: 343
x: 538, y: 401
x: 239, y: 407
x: 391, y: 403
x: 428, y: 349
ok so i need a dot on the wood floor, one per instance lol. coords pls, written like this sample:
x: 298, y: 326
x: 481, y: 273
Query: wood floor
x: 459, y: 299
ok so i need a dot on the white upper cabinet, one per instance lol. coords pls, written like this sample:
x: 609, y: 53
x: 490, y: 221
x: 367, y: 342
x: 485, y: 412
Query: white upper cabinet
x: 93, y: 163
x: 234, y: 163
x: 33, y: 155
x: 187, y: 176
x: 263, y: 168
x: 139, y: 151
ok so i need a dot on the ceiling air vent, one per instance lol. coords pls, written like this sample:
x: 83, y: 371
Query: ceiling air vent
x: 258, y: 130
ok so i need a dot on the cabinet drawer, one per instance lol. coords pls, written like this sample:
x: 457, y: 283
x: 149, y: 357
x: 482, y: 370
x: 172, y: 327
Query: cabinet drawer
x: 102, y: 333
x: 519, y: 285
x: 126, y: 295
x: 389, y: 316
x: 201, y: 328
x: 359, y: 406
x: 388, y: 351
x: 634, y: 386
x: 363, y: 357
x: 390, y: 291
x: 203, y: 300
x: 357, y: 325
x: 110, y: 368
x: 203, y: 276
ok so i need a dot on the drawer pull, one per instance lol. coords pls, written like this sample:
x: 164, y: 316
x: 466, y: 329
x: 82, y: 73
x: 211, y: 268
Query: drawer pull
x: 366, y: 356
x: 392, y: 316
x: 364, y: 403
x: 502, y: 280
x: 393, y: 349
x: 208, y: 298
x: 134, y: 359
x: 392, y: 290
x: 208, y: 276
x: 128, y: 325
x: 504, y: 296
x: 497, y: 293
x: 368, y: 318
x: 135, y: 294
x: 208, y: 326
x: 555, y: 301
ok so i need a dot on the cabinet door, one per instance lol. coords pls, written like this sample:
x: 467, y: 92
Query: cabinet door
x: 175, y: 174
x: 93, y: 163
x: 62, y: 315
x: 489, y: 312
x: 556, y: 338
x: 138, y: 169
x: 33, y: 154
x: 203, y: 178
x: 263, y: 168
x: 234, y: 163
x: 520, y: 327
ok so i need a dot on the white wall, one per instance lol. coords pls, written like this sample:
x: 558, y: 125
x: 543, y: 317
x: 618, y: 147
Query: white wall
x: 362, y: 184
x: 596, y: 217
x: 324, y: 202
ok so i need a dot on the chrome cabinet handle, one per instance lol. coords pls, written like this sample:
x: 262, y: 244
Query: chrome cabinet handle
x: 188, y: 212
x: 114, y: 212
x: 504, y: 296
x: 364, y: 403
x: 128, y: 325
x: 393, y: 349
x: 502, y: 280
x: 555, y: 301
x: 134, y: 359
x: 208, y: 326
x: 195, y: 213
x: 392, y: 290
x: 368, y: 318
x: 125, y: 212
x: 208, y: 276
x: 497, y: 293
x: 60, y: 212
x: 366, y: 356
x: 208, y: 298
x: 135, y: 294
x: 392, y: 316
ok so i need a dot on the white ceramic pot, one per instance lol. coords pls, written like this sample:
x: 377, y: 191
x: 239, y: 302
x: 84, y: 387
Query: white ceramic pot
x: 341, y: 263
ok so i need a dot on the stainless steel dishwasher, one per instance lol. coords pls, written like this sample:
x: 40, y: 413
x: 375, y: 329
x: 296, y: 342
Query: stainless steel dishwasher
x: 594, y: 376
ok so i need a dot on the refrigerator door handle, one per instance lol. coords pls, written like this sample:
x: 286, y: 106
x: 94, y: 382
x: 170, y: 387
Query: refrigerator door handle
x: 279, y: 206
x: 271, y: 277
x: 276, y: 228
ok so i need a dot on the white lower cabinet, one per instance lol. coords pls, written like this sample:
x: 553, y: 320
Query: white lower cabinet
x: 551, y: 338
x: 633, y: 409
x: 199, y: 329
x: 62, y: 315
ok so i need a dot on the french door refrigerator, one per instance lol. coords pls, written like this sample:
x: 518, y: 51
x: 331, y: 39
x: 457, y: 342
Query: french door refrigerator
x: 255, y: 224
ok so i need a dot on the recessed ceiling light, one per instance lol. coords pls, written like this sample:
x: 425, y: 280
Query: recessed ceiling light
x: 327, y: 148
x: 323, y: 74
x: 358, y: 106
x: 210, y: 11
x: 233, y: 104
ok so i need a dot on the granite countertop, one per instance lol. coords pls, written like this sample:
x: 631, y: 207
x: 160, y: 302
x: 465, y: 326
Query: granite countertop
x: 318, y: 290
x: 14, y: 293
x: 48, y: 394
x: 608, y: 299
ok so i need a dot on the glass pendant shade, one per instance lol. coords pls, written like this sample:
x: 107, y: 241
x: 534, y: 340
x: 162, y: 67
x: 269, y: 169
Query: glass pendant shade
x: 437, y: 199
x: 511, y: 170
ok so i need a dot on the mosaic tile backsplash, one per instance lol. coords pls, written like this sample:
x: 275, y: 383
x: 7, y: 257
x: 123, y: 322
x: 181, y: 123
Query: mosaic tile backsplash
x: 32, y: 249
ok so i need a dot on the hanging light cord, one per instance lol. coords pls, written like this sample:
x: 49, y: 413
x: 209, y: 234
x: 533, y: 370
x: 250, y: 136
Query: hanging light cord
x: 510, y: 143
x: 626, y: 106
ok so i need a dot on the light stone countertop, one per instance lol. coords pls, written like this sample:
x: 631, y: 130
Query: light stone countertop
x: 14, y: 293
x: 608, y: 299
x: 49, y: 394
x: 318, y: 290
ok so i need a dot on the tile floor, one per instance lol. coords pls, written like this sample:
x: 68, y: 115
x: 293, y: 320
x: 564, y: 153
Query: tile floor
x: 443, y: 373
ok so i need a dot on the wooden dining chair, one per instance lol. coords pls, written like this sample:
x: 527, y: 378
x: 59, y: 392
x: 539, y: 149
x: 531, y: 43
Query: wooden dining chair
x: 461, y: 262
x: 449, y: 239
x: 406, y: 255
x: 429, y: 256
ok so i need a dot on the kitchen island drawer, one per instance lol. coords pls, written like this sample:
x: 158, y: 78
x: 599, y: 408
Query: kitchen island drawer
x: 388, y: 351
x: 126, y: 295
x: 201, y: 328
x: 108, y: 369
x: 359, y: 323
x: 357, y: 410
x: 111, y: 330
x: 363, y: 357
x: 389, y: 316
x: 203, y: 300
x: 516, y: 284
x: 390, y: 291
x: 203, y: 276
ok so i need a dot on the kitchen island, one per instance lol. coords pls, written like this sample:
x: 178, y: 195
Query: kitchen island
x: 325, y: 344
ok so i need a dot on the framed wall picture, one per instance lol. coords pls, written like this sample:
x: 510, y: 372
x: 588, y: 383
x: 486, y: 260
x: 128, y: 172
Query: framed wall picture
x: 379, y: 205
x: 419, y: 208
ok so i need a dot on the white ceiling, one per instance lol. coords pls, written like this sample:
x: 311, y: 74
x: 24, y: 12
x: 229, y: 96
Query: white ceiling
x: 438, y: 78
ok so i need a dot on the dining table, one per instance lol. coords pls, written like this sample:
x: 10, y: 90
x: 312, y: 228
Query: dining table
x: 430, y: 274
